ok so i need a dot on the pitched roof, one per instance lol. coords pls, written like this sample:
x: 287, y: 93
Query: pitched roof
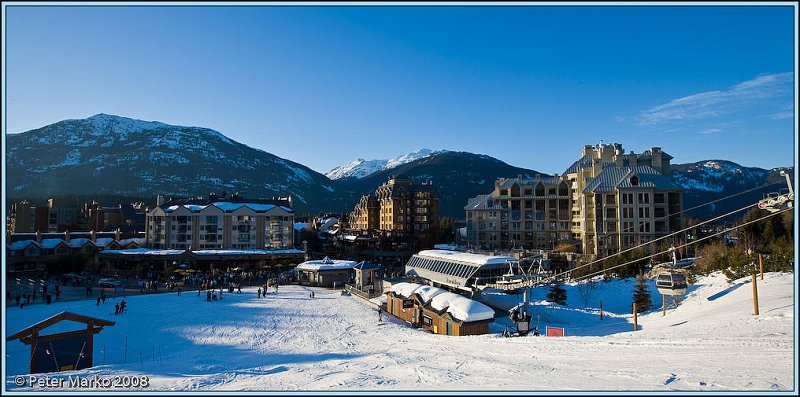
x: 583, y: 162
x: 612, y: 178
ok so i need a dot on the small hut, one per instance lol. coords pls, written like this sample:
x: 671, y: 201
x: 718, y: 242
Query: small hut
x: 400, y: 300
x: 438, y: 310
x: 326, y: 272
x: 366, y: 280
x: 61, y: 351
x: 453, y: 314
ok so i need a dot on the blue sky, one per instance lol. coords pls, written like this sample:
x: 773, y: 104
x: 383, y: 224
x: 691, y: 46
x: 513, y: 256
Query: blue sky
x: 321, y: 86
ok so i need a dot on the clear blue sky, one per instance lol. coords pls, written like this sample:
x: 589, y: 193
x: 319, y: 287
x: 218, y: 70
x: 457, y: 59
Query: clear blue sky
x: 322, y: 86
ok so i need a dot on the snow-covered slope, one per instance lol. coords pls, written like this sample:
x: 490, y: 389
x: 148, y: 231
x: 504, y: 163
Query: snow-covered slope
x: 287, y: 341
x: 361, y: 168
x: 124, y: 156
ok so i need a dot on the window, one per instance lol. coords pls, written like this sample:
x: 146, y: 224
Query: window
x: 644, y: 212
x: 627, y: 213
x: 611, y: 213
x: 627, y: 198
x: 611, y: 199
x: 644, y: 198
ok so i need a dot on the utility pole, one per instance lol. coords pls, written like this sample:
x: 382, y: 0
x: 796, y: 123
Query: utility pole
x: 635, y: 325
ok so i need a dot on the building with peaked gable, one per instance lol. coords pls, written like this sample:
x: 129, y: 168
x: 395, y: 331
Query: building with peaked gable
x: 604, y: 202
x: 399, y: 208
x: 219, y: 222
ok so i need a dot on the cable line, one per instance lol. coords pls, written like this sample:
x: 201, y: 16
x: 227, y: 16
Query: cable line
x: 684, y: 245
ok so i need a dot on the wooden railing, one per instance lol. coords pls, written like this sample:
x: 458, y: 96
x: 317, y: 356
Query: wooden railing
x: 378, y: 291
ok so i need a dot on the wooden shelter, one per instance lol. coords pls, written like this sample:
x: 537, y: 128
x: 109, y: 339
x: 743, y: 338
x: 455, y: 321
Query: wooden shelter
x: 62, y: 351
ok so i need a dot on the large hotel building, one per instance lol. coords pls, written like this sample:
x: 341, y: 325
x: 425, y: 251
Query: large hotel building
x: 604, y: 202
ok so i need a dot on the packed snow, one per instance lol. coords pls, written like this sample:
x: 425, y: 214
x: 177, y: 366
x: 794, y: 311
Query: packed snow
x: 287, y: 341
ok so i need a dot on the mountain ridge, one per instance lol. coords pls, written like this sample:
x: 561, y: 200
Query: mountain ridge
x: 107, y: 154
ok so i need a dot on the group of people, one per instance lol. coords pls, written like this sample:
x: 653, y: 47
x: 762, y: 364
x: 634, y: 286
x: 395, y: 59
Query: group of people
x: 120, y: 307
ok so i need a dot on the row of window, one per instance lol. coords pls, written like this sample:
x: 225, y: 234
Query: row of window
x: 441, y: 266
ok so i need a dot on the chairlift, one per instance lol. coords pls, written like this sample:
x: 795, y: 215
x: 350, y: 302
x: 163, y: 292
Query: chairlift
x: 774, y: 202
x: 671, y: 283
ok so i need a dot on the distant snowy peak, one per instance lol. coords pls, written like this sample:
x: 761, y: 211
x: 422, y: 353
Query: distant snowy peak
x: 716, y: 175
x: 361, y: 168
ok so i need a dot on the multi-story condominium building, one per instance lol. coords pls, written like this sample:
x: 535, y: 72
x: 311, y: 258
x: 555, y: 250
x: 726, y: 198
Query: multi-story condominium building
x: 220, y: 223
x: 399, y: 208
x: 604, y: 202
x: 522, y: 212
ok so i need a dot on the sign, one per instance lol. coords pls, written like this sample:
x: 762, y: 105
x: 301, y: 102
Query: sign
x: 119, y: 290
x: 553, y: 331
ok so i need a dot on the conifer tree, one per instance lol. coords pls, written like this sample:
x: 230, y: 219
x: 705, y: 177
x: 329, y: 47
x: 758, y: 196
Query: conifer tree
x: 641, y: 295
x: 557, y: 294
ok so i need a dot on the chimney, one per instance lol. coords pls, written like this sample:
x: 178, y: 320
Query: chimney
x: 117, y: 234
x: 159, y: 200
x: 38, y: 236
x: 66, y: 236
x: 93, y: 236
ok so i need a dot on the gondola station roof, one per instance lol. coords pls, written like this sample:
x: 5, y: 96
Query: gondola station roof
x: 460, y: 307
x: 453, y: 268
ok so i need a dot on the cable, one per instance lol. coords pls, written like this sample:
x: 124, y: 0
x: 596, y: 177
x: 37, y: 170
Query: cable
x: 657, y: 239
x: 684, y: 245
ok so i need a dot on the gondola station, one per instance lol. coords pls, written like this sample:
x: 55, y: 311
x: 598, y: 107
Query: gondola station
x: 438, y: 310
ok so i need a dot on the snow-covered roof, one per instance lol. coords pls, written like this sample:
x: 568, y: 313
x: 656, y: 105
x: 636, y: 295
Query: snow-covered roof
x: 248, y: 252
x: 366, y: 265
x: 139, y: 251
x: 150, y: 251
x: 475, y: 259
x: 427, y: 292
x: 51, y: 242
x: 126, y: 241
x: 326, y: 264
x: 300, y: 226
x: 78, y: 242
x: 462, y: 308
x: 227, y: 207
x: 405, y: 289
x: 103, y: 242
x: 21, y: 245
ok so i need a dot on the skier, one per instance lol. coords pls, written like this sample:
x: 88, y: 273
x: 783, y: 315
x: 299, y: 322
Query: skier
x: 98, y: 301
x: 116, y: 309
x: 259, y: 292
x: 380, y: 314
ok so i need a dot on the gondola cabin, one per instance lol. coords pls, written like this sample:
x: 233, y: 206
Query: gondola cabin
x: 671, y: 283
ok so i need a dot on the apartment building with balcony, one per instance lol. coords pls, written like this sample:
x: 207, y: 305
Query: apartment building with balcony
x: 605, y: 201
x: 399, y: 208
x: 217, y: 223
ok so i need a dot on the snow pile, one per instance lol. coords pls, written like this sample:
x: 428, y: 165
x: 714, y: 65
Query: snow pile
x: 427, y: 292
x: 462, y: 308
x: 405, y: 289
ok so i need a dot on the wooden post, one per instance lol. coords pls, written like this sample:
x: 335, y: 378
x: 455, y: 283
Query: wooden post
x: 601, y: 310
x: 35, y: 346
x: 755, y: 295
x: 635, y: 326
x: 761, y: 264
x: 90, y: 351
x: 663, y: 305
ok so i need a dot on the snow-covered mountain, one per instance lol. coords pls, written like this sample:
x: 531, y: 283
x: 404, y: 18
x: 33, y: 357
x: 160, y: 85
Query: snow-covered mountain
x: 361, y: 168
x: 709, y: 180
x: 106, y: 154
